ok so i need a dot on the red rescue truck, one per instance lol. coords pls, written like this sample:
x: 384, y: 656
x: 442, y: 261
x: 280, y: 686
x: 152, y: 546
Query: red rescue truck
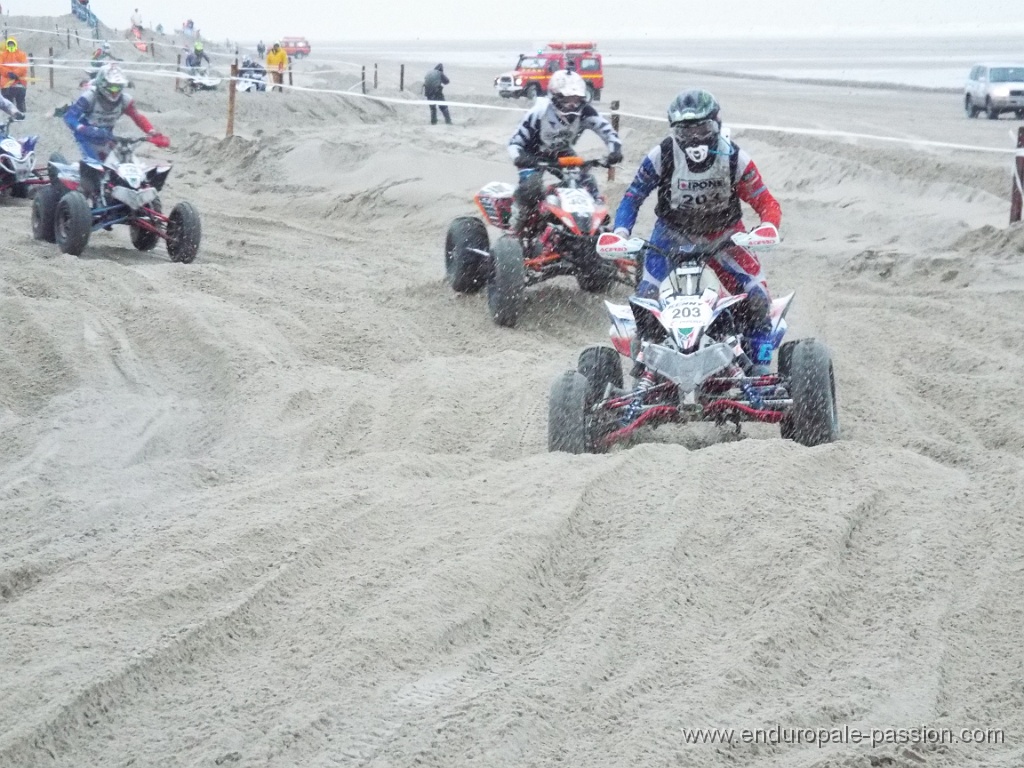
x: 533, y: 71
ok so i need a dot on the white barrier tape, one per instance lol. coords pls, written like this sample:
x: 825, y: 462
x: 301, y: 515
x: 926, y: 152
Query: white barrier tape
x: 117, y: 41
x: 387, y: 100
x: 493, y: 107
x: 87, y: 37
x: 120, y: 63
x: 869, y: 136
x: 143, y: 73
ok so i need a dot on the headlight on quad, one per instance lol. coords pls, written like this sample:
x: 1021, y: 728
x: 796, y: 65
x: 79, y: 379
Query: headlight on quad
x: 134, y: 198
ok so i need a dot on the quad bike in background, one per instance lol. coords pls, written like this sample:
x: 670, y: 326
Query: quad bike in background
x: 689, y: 362
x: 559, y: 239
x: 87, y: 196
x: 18, y: 171
x: 251, y: 78
x: 200, y: 79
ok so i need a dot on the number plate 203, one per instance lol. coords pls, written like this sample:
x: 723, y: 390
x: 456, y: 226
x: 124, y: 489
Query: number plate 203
x: 688, y: 312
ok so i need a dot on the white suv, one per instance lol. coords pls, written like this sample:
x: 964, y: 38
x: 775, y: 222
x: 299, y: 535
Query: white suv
x: 993, y: 89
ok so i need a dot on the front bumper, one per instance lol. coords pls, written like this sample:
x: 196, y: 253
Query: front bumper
x: 1008, y: 102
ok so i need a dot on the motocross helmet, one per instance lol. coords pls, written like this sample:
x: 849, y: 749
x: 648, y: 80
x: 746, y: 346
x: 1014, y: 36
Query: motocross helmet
x: 110, y: 82
x: 693, y: 116
x: 568, y: 94
x: 247, y: 62
x: 12, y: 44
x: 198, y: 47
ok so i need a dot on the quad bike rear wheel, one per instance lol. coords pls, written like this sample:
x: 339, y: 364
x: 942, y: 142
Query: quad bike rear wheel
x: 44, y: 212
x: 814, y: 418
x: 73, y: 223
x: 464, y: 264
x: 567, y: 414
x: 507, y: 285
x: 144, y: 239
x: 184, y: 231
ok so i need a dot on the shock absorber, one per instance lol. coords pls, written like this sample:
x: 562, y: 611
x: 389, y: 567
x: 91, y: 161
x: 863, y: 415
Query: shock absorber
x: 645, y: 383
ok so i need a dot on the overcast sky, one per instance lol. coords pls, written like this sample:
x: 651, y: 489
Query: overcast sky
x: 529, y: 19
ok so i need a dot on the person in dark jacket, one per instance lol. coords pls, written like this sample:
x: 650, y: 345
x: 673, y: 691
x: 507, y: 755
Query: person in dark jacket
x: 433, y: 89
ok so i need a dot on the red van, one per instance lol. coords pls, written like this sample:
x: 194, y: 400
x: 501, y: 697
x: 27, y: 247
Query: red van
x: 296, y: 47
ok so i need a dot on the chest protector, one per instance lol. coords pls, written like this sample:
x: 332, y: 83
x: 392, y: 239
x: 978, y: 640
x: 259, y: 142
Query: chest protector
x: 103, y: 113
x: 698, y: 202
x: 554, y: 135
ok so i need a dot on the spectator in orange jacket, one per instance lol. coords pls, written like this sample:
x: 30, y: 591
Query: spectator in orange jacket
x: 13, y: 73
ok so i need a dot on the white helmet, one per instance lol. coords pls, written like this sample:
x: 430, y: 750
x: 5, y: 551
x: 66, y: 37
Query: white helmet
x: 110, y: 82
x: 568, y: 93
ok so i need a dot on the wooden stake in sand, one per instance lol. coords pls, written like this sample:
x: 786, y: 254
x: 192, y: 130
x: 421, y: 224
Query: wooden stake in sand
x: 231, y: 99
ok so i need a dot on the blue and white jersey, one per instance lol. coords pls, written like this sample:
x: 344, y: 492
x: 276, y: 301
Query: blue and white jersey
x: 544, y: 134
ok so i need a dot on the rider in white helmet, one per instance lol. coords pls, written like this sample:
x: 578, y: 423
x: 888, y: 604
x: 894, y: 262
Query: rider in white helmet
x: 92, y: 117
x: 549, y: 130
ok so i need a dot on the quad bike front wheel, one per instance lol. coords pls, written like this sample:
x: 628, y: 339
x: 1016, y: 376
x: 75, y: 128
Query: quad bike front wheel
x: 44, y: 212
x: 184, y: 231
x: 73, y: 223
x: 600, y: 366
x: 596, y: 278
x: 144, y: 239
x: 567, y: 414
x: 464, y: 260
x: 814, y: 418
x: 507, y: 285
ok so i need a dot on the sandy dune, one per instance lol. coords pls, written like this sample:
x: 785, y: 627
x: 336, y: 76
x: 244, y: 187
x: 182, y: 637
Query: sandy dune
x: 291, y: 505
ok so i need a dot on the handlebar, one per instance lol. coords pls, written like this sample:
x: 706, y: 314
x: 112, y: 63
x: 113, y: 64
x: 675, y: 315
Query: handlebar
x: 566, y: 164
x: 765, y: 235
x: 158, y: 140
x: 698, y: 252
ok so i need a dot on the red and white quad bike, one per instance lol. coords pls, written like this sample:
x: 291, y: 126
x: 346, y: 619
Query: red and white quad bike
x: 689, y: 362
x: 560, y: 239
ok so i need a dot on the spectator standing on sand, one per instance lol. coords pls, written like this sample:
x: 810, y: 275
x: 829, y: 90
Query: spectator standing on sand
x: 261, y: 50
x: 13, y: 73
x: 277, y: 60
x: 137, y: 20
x: 433, y: 89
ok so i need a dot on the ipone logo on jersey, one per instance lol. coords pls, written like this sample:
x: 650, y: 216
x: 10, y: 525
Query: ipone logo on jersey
x: 696, y: 185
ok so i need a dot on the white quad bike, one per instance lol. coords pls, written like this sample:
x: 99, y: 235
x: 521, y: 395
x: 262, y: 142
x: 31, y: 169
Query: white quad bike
x: 251, y: 80
x: 200, y: 79
x: 689, y: 361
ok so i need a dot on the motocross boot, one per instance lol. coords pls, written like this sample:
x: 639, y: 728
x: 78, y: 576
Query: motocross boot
x: 515, y: 219
x: 522, y: 221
